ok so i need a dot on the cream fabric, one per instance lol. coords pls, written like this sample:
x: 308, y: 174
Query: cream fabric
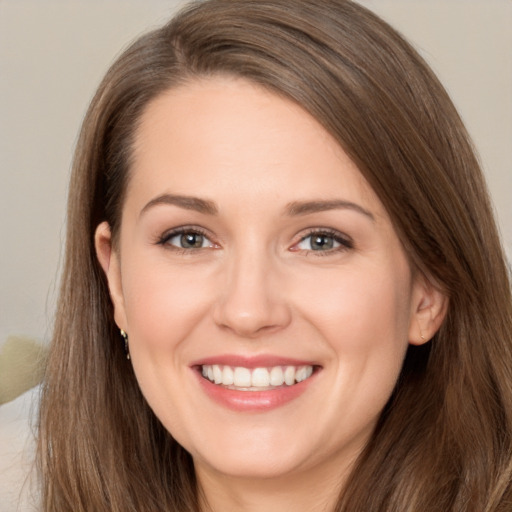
x: 17, y: 448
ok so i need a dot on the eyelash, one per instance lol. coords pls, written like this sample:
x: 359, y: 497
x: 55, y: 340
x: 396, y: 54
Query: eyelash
x: 185, y: 230
x: 345, y: 243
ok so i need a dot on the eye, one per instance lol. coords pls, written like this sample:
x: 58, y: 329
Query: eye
x: 323, y: 241
x: 186, y: 239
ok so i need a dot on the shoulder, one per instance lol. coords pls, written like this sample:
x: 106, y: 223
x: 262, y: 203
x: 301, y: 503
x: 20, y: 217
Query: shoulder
x: 17, y: 451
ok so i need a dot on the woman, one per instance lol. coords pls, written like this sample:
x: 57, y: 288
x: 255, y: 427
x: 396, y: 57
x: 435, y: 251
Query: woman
x: 284, y: 288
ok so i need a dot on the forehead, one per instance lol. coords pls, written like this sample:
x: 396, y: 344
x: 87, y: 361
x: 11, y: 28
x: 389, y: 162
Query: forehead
x: 223, y: 135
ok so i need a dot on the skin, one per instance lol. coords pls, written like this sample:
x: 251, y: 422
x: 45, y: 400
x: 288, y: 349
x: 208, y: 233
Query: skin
x: 258, y: 287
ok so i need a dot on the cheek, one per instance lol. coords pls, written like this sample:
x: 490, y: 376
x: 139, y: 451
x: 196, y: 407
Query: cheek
x: 363, y: 316
x: 359, y: 302
x: 163, y: 303
x: 363, y: 319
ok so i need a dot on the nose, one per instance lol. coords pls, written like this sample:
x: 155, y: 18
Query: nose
x: 252, y: 301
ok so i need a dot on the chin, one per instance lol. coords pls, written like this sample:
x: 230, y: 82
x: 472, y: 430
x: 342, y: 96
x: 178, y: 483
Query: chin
x: 263, y: 466
x: 259, y: 455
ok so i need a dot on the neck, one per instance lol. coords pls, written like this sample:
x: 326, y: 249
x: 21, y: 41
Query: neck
x: 309, y: 491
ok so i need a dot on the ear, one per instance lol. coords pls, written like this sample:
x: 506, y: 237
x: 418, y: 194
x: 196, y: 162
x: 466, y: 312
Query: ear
x: 429, y: 307
x: 108, y: 258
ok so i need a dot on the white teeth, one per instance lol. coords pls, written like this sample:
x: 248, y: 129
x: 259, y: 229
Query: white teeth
x: 259, y: 378
x: 303, y: 373
x: 276, y: 376
x: 217, y: 374
x: 242, y: 377
x: 300, y: 375
x: 227, y: 376
x: 289, y: 375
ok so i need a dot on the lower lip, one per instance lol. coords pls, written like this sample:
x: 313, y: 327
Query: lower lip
x: 253, y: 401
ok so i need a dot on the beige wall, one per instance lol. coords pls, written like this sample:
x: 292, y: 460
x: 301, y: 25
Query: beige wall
x: 53, y: 53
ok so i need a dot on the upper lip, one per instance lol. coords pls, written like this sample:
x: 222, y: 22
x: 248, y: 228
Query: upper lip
x: 259, y: 361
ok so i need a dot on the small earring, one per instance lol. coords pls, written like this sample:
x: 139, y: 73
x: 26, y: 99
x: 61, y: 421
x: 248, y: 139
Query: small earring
x: 126, y: 348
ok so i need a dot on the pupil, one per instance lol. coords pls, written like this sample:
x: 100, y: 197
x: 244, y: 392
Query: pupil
x: 322, y: 242
x: 191, y: 240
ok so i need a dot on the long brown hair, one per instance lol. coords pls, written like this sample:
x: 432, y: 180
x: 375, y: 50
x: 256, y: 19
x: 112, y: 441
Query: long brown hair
x: 444, y: 440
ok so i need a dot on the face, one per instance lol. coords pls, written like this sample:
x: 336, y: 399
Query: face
x: 266, y: 296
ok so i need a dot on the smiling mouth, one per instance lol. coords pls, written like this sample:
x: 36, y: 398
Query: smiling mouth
x: 256, y: 379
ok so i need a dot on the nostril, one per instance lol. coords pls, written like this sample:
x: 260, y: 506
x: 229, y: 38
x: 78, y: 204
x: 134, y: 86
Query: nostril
x: 251, y: 321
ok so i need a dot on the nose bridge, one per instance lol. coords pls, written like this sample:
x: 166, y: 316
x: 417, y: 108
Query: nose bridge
x: 250, y: 301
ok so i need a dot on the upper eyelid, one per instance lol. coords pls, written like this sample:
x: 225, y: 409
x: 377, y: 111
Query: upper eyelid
x: 339, y: 235
x: 345, y: 242
x: 171, y: 233
x: 326, y: 231
x: 185, y: 229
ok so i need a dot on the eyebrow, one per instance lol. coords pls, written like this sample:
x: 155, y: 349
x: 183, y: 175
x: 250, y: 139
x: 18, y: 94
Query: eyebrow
x: 308, y: 207
x: 186, y: 202
x: 295, y: 208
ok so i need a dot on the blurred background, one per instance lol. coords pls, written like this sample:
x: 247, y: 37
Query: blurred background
x: 53, y: 53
